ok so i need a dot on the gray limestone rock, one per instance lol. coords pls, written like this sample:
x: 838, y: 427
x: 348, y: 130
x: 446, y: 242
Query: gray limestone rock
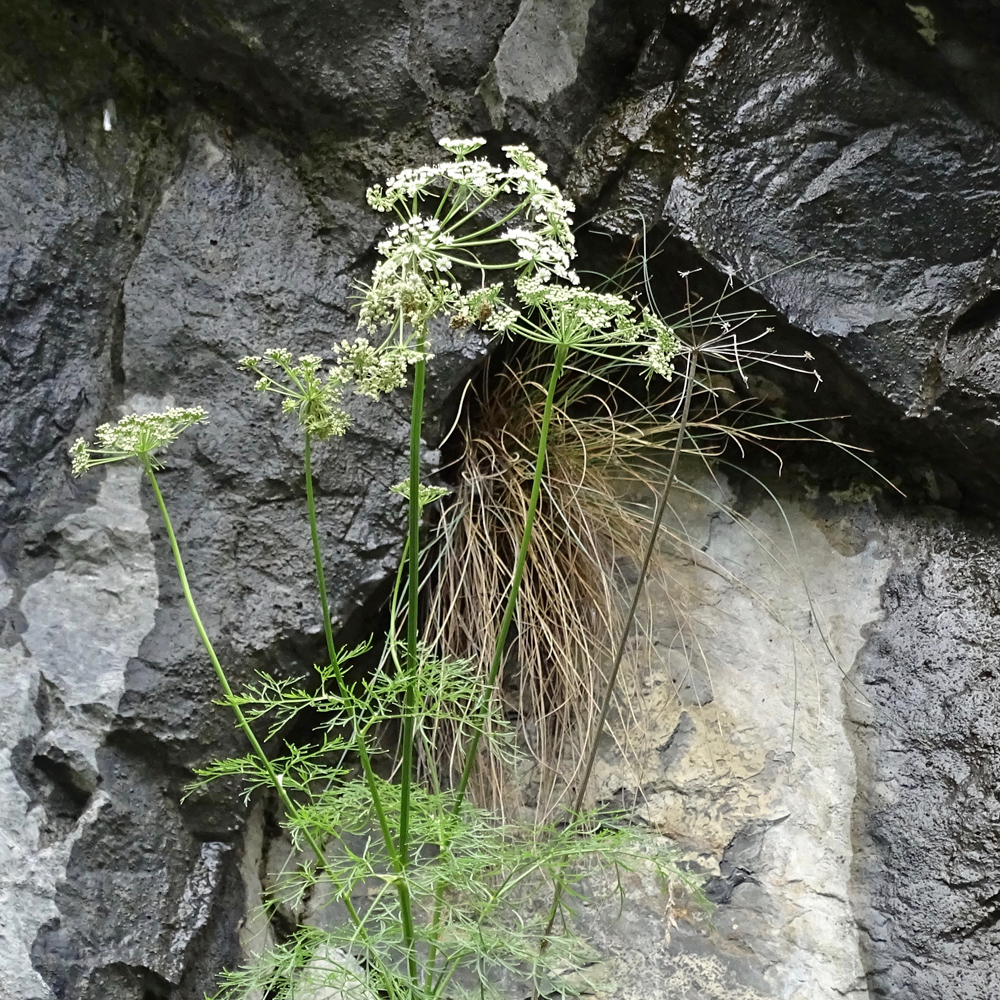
x: 840, y: 786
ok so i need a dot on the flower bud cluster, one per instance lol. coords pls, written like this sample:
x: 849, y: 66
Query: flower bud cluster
x: 546, y: 255
x: 315, y: 398
x: 664, y: 347
x: 312, y: 396
x: 400, y: 296
x: 376, y: 370
x: 546, y: 205
x: 415, y: 242
x: 427, y: 494
x: 486, y: 307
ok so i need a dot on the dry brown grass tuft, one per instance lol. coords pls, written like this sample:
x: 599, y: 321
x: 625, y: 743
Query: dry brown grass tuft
x: 588, y: 537
x: 607, y: 458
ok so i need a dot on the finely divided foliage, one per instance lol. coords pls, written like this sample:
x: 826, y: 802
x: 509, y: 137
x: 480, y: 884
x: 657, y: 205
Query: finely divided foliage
x: 441, y: 899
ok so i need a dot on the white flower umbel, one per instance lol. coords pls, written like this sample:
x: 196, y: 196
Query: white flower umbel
x: 449, y: 214
x: 596, y: 323
x: 459, y: 219
x: 460, y: 148
x: 138, y: 436
x: 590, y: 311
x: 377, y: 370
x: 311, y: 396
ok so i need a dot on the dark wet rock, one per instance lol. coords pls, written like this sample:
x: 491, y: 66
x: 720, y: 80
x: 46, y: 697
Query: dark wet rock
x: 182, y: 183
x: 926, y: 866
x: 848, y: 166
x: 142, y: 897
x: 232, y: 264
x: 338, y: 66
x: 146, y: 245
x: 559, y: 65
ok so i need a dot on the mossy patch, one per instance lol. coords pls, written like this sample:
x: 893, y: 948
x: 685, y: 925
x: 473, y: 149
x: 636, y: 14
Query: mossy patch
x: 66, y: 55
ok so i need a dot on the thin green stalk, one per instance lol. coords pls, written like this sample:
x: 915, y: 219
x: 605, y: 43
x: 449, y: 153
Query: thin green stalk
x: 402, y: 889
x: 478, y: 210
x: 659, y: 511
x: 412, y: 635
x: 366, y: 766
x: 558, y: 364
x: 413, y: 598
x: 318, y: 561
x: 493, y: 226
x: 273, y: 776
x: 395, y: 608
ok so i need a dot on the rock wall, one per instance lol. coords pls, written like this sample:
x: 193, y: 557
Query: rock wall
x: 812, y: 727
x: 182, y: 183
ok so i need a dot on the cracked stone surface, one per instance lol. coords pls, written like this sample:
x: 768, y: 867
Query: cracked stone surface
x: 838, y: 782
x: 182, y: 183
x: 60, y: 696
x: 926, y: 869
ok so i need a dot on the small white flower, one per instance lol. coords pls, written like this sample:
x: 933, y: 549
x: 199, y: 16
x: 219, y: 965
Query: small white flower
x: 462, y: 147
x: 376, y: 370
x: 664, y: 347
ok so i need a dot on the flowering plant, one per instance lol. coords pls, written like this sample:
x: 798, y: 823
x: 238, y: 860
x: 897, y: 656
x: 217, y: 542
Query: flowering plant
x: 480, y: 906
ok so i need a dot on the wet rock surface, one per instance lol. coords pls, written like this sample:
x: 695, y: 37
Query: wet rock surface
x: 182, y: 183
x: 339, y: 66
x: 842, y: 158
x: 926, y: 866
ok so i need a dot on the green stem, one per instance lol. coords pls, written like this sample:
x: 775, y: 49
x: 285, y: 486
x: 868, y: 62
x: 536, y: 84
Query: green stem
x: 318, y: 561
x: 402, y: 889
x: 412, y: 608
x: 559, y: 363
x: 493, y: 225
x: 412, y: 623
x: 432, y: 948
x: 365, y: 757
x: 273, y: 777
x: 395, y: 608
x: 609, y: 688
